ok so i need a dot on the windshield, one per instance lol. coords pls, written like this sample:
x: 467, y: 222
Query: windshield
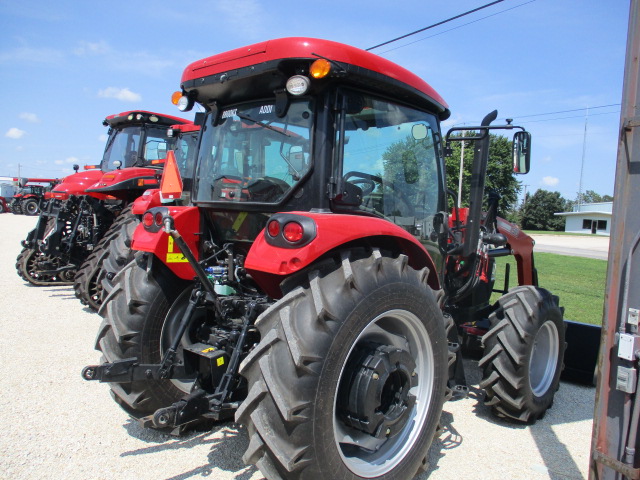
x: 124, y: 145
x: 252, y: 155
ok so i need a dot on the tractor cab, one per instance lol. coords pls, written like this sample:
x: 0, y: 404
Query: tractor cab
x: 137, y: 139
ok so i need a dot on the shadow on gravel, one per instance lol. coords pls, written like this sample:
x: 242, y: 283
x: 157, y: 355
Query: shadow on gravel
x: 573, y: 403
x: 228, y: 443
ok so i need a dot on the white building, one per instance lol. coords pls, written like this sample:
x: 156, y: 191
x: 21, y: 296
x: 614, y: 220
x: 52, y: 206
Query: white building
x: 592, y: 218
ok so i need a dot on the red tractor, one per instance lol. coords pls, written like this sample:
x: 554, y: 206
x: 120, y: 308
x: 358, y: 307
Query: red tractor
x: 29, y: 198
x: 317, y: 288
x: 84, y: 205
x: 114, y: 249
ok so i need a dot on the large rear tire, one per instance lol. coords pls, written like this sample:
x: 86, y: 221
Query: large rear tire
x: 30, y: 207
x: 524, y: 351
x: 115, y: 244
x: 362, y: 320
x: 135, y: 312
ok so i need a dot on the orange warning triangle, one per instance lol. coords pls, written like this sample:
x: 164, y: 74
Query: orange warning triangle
x: 171, y: 182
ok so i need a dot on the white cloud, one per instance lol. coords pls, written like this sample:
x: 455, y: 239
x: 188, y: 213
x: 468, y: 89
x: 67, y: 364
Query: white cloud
x: 15, y: 133
x: 29, y: 117
x: 92, y: 48
x: 550, y: 181
x: 103, y: 138
x: 67, y: 161
x: 28, y: 55
x: 123, y: 94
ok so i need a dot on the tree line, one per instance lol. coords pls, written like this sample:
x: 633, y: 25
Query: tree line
x: 536, y: 211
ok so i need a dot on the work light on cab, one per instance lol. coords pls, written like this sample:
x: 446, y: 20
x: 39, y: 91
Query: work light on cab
x: 297, y: 85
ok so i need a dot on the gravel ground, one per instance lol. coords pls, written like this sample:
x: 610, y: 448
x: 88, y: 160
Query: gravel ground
x: 55, y: 425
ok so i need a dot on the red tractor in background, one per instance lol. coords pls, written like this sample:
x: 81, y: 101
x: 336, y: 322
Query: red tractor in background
x: 84, y: 205
x: 113, y: 251
x: 317, y: 287
x: 28, y: 200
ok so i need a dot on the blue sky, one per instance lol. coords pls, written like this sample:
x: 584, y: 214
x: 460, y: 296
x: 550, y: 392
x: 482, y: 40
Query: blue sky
x: 66, y: 65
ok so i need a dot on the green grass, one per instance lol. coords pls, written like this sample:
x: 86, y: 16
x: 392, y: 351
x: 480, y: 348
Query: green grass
x: 579, y: 282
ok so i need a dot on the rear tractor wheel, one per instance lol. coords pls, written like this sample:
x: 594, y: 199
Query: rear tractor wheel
x: 111, y: 254
x: 140, y: 313
x: 524, y: 351
x: 349, y: 378
x: 31, y: 207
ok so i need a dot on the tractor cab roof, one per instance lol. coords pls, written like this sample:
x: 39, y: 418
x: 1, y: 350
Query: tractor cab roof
x: 141, y: 116
x: 185, y: 127
x: 264, y: 67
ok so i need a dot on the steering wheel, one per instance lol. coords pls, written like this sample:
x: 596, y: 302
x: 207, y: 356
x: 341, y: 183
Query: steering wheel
x: 365, y: 181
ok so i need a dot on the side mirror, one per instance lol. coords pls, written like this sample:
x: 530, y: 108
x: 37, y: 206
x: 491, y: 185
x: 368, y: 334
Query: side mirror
x: 521, y: 152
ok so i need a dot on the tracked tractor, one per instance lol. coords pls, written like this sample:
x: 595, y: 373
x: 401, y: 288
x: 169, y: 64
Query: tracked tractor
x: 85, y: 204
x: 317, y: 287
x: 113, y: 251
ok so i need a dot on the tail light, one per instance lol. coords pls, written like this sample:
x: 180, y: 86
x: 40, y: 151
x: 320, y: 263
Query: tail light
x: 287, y: 230
x: 153, y: 219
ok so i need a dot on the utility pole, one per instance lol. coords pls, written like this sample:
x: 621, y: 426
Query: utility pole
x: 461, y: 171
x: 584, y: 149
x: 524, y: 201
x: 614, y: 449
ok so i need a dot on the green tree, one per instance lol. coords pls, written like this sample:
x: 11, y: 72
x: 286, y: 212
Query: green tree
x: 592, y: 197
x: 500, y: 177
x: 538, y: 212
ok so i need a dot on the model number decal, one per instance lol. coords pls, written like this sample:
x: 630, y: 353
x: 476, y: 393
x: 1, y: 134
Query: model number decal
x: 229, y: 113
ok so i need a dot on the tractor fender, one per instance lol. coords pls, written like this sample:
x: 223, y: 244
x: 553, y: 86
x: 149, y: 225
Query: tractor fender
x: 521, y: 246
x: 272, y: 259
x: 149, y: 199
x: 156, y: 241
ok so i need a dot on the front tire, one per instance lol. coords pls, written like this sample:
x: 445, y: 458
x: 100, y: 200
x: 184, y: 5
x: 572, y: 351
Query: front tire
x: 524, y: 351
x: 361, y: 335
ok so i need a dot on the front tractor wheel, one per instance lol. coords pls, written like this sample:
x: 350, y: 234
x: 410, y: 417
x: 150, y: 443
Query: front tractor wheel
x: 524, y: 351
x: 349, y: 378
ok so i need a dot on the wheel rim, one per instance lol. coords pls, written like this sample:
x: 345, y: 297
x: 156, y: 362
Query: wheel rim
x: 362, y: 453
x: 544, y: 358
x: 32, y: 208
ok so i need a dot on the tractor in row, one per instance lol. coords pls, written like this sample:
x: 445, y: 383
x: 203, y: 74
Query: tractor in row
x: 85, y: 204
x: 317, y: 285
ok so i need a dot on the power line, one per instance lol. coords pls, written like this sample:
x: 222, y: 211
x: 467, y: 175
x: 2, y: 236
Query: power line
x: 455, y: 28
x: 435, y: 25
x: 573, y: 116
x: 567, y: 111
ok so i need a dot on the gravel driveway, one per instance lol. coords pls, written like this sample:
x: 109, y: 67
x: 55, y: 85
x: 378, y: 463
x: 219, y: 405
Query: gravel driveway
x: 55, y: 425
